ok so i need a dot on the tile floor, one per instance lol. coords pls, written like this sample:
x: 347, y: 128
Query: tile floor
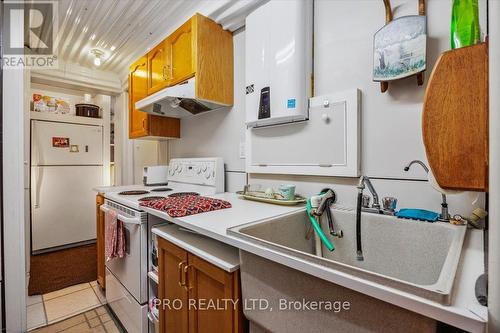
x: 58, y: 305
x: 97, y: 320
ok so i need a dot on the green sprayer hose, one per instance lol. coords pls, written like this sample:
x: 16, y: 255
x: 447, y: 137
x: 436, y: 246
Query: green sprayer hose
x: 317, y: 227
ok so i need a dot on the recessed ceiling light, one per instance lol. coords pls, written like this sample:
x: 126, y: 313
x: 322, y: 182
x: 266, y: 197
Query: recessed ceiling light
x: 113, y: 48
x: 85, y: 29
x: 92, y: 37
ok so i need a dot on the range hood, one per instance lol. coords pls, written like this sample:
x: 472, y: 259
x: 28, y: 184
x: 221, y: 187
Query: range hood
x: 178, y: 101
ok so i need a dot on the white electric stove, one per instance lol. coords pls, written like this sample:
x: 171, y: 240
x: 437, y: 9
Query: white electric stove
x: 127, y: 289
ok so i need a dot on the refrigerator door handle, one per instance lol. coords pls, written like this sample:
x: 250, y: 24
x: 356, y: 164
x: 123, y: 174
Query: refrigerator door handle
x: 36, y: 155
x: 37, y: 182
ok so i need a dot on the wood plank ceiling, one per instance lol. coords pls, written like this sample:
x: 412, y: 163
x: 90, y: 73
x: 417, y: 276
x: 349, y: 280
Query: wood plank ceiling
x: 122, y: 29
x: 126, y: 29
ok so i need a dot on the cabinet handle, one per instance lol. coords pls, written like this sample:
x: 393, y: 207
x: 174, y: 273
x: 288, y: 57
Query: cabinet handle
x: 144, y: 124
x: 170, y: 70
x: 187, y: 286
x: 165, y: 74
x: 182, y: 281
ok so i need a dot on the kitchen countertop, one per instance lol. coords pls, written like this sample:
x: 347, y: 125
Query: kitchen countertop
x: 464, y: 312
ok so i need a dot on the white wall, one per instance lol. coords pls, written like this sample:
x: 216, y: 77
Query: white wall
x: 391, y: 125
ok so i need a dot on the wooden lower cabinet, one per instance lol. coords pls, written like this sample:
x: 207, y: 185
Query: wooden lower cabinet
x: 100, y: 227
x: 198, y: 286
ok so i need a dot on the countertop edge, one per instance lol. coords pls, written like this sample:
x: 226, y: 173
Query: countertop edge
x: 196, y: 250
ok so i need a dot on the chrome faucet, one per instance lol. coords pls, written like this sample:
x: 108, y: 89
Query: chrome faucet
x: 445, y: 215
x: 375, y: 208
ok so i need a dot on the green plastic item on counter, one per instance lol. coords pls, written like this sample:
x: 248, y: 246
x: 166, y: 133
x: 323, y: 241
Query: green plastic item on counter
x: 317, y: 227
x: 465, y: 29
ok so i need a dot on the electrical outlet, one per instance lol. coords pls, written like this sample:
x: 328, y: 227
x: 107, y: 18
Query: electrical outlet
x: 242, y: 150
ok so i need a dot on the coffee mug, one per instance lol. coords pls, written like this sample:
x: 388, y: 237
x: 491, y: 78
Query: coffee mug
x: 287, y: 191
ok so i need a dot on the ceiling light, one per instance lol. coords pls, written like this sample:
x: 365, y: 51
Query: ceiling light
x: 98, y: 55
x: 113, y: 48
x: 92, y: 37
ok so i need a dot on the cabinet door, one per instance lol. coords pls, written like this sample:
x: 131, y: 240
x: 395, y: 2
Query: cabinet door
x: 210, y: 285
x: 101, y: 269
x: 179, y: 47
x: 157, y: 68
x: 172, y: 262
x: 138, y: 89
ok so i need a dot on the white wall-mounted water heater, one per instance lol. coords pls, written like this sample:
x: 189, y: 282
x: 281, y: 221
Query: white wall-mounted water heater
x: 279, y: 62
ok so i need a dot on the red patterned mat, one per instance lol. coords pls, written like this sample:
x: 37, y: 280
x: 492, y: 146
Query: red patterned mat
x: 186, y: 205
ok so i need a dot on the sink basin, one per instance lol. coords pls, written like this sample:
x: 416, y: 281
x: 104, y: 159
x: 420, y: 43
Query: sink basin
x: 413, y: 256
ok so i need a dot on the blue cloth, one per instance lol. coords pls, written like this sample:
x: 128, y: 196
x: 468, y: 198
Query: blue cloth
x: 417, y: 214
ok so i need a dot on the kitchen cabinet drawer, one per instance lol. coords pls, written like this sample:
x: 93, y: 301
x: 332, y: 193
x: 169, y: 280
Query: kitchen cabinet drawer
x: 186, y: 277
x: 141, y: 124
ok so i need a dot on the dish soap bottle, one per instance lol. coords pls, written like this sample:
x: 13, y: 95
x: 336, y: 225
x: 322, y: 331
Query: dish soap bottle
x: 465, y: 30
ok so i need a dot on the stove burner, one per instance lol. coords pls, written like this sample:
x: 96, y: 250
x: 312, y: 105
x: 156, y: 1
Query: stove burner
x: 137, y: 192
x: 151, y: 198
x: 161, y: 189
x: 182, y: 194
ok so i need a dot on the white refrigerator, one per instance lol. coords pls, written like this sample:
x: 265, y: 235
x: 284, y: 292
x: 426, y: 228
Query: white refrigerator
x: 66, y: 163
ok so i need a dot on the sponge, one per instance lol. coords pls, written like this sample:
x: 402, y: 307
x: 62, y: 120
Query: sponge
x: 417, y: 214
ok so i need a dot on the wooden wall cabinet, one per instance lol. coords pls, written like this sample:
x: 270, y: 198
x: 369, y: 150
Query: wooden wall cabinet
x: 199, y: 48
x: 100, y: 229
x: 180, y: 57
x: 157, y: 68
x: 189, y: 278
x: 142, y: 124
x: 212, y: 60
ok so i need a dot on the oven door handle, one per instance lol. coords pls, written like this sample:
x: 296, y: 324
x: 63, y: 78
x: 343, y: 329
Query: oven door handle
x: 120, y: 216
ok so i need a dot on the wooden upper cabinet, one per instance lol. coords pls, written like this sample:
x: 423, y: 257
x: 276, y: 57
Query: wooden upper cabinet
x: 199, y: 48
x: 157, y: 68
x: 142, y: 124
x: 213, y: 61
x: 138, y: 89
x: 179, y: 46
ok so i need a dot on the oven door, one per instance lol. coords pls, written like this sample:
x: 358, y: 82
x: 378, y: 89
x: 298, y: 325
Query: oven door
x: 131, y: 270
